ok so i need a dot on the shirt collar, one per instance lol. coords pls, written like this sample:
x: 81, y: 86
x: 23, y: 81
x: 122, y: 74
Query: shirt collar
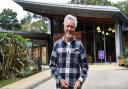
x: 74, y: 39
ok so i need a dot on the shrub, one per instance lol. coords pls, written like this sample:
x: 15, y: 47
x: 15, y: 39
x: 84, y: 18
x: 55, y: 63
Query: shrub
x: 14, y: 56
x: 120, y: 57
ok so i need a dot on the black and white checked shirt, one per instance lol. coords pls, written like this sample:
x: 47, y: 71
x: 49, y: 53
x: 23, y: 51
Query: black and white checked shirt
x: 68, y: 62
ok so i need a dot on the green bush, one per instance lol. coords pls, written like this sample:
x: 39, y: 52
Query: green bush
x: 14, y: 55
x: 120, y: 57
x: 126, y: 62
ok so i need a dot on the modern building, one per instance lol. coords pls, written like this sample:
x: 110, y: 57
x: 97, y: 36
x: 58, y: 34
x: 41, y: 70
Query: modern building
x: 102, y: 29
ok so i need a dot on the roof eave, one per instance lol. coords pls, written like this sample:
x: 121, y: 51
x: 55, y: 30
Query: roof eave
x: 78, y: 10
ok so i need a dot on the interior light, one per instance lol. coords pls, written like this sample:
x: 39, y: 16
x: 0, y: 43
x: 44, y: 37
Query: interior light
x: 113, y: 30
x: 98, y: 28
x: 99, y: 31
x: 102, y: 32
x: 109, y: 29
x: 107, y: 33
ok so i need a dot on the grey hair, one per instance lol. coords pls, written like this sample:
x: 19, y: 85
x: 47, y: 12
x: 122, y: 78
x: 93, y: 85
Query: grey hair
x: 72, y: 18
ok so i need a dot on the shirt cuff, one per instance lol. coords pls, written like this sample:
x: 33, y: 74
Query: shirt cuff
x: 59, y: 78
x: 81, y: 79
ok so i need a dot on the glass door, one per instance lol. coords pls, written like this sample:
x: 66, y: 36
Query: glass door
x: 105, y: 43
x: 110, y: 44
x: 100, y: 44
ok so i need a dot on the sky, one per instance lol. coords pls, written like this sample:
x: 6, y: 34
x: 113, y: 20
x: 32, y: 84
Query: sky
x: 21, y: 13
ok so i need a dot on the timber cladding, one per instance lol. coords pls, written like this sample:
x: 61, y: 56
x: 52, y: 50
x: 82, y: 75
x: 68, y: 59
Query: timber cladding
x: 78, y: 35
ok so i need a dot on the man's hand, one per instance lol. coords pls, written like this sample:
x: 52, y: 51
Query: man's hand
x: 63, y: 84
x: 77, y: 85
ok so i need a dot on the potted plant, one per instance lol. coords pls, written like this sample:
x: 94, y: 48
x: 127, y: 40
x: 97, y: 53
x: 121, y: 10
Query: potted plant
x: 89, y: 58
x: 121, y: 60
x: 126, y: 57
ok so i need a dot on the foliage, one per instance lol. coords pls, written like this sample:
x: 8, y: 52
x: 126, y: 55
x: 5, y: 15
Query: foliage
x: 123, y: 5
x: 27, y: 18
x: 126, y: 62
x: 120, y: 57
x: 8, y: 20
x: 92, y: 2
x: 34, y: 23
x: 14, y: 56
x: 89, y: 59
x: 6, y: 82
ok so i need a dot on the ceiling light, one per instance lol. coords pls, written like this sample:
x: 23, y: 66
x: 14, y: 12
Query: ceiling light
x: 113, y: 30
x: 102, y: 32
x: 109, y: 29
x: 98, y: 28
x: 107, y: 33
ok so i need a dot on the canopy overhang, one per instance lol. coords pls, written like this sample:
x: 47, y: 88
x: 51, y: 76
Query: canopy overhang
x: 30, y: 35
x: 50, y: 9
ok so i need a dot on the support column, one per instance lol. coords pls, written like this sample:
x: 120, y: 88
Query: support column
x: 50, y: 42
x: 118, y: 40
x: 94, y: 43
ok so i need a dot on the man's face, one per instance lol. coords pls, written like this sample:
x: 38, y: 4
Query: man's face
x: 69, y: 28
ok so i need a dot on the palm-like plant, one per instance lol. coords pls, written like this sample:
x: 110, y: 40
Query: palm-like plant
x: 14, y: 56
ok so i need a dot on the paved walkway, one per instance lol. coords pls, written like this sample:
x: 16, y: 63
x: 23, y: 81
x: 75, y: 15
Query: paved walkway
x: 107, y: 76
x: 92, y: 80
x: 30, y: 82
x: 106, y: 66
x: 100, y: 76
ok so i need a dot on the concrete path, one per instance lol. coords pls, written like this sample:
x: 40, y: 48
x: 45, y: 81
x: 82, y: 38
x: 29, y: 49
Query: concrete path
x: 100, y: 76
x: 107, y: 76
x: 30, y: 82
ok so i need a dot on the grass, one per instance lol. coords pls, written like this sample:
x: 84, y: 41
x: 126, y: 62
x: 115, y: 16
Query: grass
x: 9, y: 81
x: 27, y: 73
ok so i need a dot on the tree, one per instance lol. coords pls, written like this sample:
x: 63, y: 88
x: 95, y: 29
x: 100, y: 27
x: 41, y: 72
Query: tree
x: 34, y: 23
x: 122, y: 5
x: 92, y: 2
x: 8, y: 20
x: 26, y: 22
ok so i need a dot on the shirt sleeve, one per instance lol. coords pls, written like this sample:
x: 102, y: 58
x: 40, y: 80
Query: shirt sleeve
x: 53, y: 64
x: 83, y: 64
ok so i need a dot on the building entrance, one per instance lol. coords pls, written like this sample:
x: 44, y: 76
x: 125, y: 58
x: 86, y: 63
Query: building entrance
x: 100, y: 43
x: 105, y: 44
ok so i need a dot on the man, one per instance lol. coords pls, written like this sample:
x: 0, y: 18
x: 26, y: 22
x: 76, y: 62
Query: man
x: 68, y: 62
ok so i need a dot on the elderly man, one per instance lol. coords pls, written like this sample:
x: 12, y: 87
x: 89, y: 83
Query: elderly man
x: 68, y: 62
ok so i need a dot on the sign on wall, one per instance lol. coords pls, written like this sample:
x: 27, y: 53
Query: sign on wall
x: 101, y: 54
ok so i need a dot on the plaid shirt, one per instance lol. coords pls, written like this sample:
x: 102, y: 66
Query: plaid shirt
x: 68, y: 62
